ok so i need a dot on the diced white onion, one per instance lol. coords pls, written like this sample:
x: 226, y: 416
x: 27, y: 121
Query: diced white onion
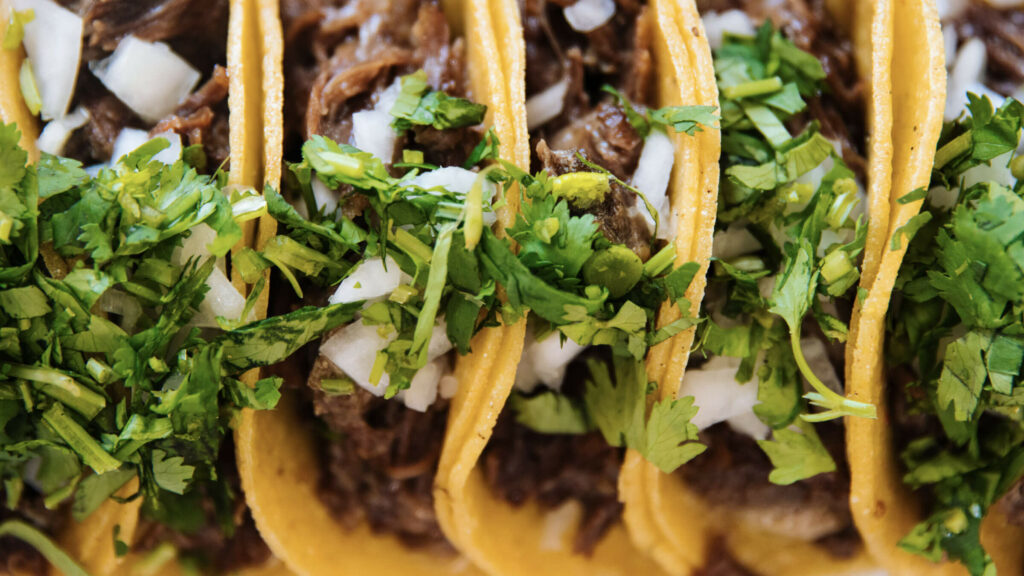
x: 131, y: 138
x: 223, y: 299
x: 735, y: 240
x: 147, y: 76
x: 195, y: 246
x: 998, y: 170
x: 545, y: 361
x: 750, y: 425
x: 950, y: 9
x: 123, y: 305
x: 448, y: 386
x: 949, y: 43
x: 422, y: 390
x: 546, y: 105
x: 452, y: 179
x: 94, y: 170
x: 371, y: 129
x: 717, y: 24
x: 326, y: 198
x: 53, y: 42
x: 589, y: 15
x: 373, y: 278
x: 968, y: 72
x: 653, y: 171
x: 56, y: 133
x: 942, y: 197
x: 717, y: 394
x: 439, y: 342
x: 353, y: 349
x: 559, y: 524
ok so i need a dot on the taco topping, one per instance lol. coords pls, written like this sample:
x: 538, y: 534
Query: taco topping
x: 106, y: 75
x: 955, y: 347
x: 120, y: 350
x: 778, y: 298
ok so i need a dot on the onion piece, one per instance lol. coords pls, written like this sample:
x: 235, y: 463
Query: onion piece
x: 422, y: 391
x: 223, y: 299
x: 546, y: 105
x: 373, y: 278
x: 997, y: 170
x: 653, y: 171
x: 589, y: 15
x: 968, y: 70
x: 56, y: 132
x: 559, y: 524
x: 131, y: 138
x: 448, y: 386
x: 53, y: 41
x: 123, y: 305
x: 735, y: 240
x: 353, y: 349
x: 195, y: 246
x: 717, y: 24
x: 950, y: 9
x: 717, y: 395
x: 147, y: 76
x: 545, y: 361
x: 371, y: 129
x: 326, y: 198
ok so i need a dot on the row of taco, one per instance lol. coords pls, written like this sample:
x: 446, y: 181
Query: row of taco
x: 550, y: 287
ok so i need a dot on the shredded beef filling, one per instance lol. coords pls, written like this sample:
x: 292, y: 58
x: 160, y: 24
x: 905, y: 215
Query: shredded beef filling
x: 808, y: 24
x: 1003, y: 34
x: 721, y: 563
x: 17, y: 557
x: 340, y: 55
x: 197, y: 31
x: 734, y: 471
x: 522, y: 465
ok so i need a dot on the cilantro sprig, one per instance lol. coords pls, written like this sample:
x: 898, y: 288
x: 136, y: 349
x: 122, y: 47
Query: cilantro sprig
x: 104, y: 376
x: 956, y: 325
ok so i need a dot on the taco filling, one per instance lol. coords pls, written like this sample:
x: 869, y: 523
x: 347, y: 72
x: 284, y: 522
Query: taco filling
x: 105, y: 76
x: 591, y: 113
x: 121, y: 355
x: 954, y: 349
x: 788, y: 240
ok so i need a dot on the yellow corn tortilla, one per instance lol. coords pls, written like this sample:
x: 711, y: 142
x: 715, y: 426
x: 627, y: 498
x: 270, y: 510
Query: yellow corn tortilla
x: 276, y: 451
x: 90, y: 542
x: 667, y: 519
x: 508, y: 540
x: 884, y: 509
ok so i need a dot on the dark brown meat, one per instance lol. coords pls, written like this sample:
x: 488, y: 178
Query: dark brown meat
x: 202, y: 119
x: 521, y: 465
x: 380, y: 461
x: 340, y: 55
x: 721, y: 563
x: 216, y: 550
x: 94, y: 142
x: 16, y: 557
x: 618, y: 219
x: 1003, y: 34
x: 734, y: 472
x: 808, y: 24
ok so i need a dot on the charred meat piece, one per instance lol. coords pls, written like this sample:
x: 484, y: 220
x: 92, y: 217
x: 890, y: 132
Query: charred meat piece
x: 202, y: 119
x: 1003, y: 34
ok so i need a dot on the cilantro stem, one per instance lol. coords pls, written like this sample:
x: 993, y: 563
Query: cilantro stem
x: 411, y: 245
x: 62, y: 388
x: 432, y: 296
x: 42, y: 543
x: 952, y: 149
x: 93, y: 455
x: 837, y: 404
x: 660, y: 261
x: 753, y: 88
x: 474, y: 226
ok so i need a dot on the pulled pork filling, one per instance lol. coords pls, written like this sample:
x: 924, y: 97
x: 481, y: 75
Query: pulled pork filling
x: 196, y: 31
x: 807, y: 24
x: 1002, y: 31
x: 379, y: 457
x: 520, y: 464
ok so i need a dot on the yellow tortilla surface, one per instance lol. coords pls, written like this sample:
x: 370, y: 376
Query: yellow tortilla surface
x: 276, y: 453
x: 90, y: 542
x: 884, y: 509
x: 665, y: 517
x: 508, y: 540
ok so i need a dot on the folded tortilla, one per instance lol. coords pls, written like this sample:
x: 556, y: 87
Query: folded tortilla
x: 667, y: 518
x: 883, y: 507
x: 276, y: 450
x: 504, y: 539
x: 89, y: 542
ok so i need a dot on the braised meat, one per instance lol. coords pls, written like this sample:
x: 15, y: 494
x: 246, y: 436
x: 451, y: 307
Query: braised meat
x: 522, y: 465
x: 734, y: 472
x: 1003, y: 34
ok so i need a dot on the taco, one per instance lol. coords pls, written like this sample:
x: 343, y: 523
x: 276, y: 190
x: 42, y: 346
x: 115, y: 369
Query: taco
x: 941, y: 490
x: 621, y: 135
x: 393, y: 120
x: 802, y: 216
x: 92, y: 495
